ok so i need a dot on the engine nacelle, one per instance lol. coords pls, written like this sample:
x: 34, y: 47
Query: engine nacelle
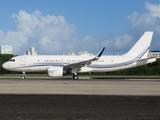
x: 55, y: 71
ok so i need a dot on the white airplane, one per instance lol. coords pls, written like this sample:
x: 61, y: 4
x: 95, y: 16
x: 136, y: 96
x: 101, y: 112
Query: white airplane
x: 59, y: 65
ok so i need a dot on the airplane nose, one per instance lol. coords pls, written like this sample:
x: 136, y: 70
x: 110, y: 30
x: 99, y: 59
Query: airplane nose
x: 4, y: 65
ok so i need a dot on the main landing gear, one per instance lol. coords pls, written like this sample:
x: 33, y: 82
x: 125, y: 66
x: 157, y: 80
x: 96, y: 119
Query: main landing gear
x: 23, y: 75
x: 75, y: 76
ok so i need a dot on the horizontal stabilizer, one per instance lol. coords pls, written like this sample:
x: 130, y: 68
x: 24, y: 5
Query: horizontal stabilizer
x: 145, y: 61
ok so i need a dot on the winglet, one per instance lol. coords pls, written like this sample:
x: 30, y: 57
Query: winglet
x: 100, y: 53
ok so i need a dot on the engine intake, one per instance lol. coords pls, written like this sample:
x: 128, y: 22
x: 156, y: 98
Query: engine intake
x: 55, y: 71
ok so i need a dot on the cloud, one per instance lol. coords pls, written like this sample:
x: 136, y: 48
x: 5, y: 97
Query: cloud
x: 153, y: 9
x: 149, y: 21
x: 48, y: 34
x: 51, y: 34
x: 1, y: 33
x: 113, y: 44
x: 122, y: 40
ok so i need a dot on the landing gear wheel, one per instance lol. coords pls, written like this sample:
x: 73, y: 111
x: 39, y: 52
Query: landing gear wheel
x: 23, y: 77
x: 75, y: 77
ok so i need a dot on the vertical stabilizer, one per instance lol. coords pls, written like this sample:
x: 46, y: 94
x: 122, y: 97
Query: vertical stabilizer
x: 141, y: 48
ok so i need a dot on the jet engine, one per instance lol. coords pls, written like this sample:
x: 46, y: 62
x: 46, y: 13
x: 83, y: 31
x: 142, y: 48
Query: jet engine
x: 55, y: 71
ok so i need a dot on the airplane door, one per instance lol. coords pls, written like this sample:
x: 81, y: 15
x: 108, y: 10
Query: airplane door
x: 22, y: 60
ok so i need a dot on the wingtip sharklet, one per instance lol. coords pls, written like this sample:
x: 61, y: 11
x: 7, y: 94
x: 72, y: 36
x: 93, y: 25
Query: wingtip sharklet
x: 100, y: 53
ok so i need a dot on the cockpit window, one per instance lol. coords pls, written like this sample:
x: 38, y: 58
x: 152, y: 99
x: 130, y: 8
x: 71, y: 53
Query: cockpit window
x: 12, y: 60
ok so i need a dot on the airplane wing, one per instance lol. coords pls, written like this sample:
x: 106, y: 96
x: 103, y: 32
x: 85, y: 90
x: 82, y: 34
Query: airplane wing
x: 83, y: 63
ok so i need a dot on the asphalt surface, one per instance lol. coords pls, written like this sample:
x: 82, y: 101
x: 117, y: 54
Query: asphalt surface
x: 77, y: 107
x: 85, y: 99
x: 146, y: 87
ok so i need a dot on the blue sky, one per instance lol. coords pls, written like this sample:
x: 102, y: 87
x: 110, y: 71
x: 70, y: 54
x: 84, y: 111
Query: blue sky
x: 60, y: 26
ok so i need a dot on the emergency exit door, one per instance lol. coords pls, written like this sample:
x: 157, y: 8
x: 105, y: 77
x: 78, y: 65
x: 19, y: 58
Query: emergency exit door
x: 22, y: 60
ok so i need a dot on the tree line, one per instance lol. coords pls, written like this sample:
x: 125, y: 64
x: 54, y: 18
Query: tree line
x: 149, y: 69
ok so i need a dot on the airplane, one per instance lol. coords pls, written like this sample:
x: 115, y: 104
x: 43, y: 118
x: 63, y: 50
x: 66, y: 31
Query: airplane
x: 59, y: 65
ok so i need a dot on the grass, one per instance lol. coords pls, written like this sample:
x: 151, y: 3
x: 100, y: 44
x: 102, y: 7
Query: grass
x: 27, y: 75
x: 127, y: 77
x: 86, y: 76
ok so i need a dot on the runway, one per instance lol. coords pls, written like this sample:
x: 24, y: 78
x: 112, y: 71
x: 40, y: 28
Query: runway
x: 89, y: 99
x: 79, y: 107
x: 149, y: 87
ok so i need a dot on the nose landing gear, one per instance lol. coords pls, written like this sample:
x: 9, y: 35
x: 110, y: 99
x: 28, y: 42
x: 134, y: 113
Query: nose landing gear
x: 23, y: 75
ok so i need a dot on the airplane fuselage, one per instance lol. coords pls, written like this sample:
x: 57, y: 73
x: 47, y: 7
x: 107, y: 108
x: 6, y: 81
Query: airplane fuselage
x: 38, y: 63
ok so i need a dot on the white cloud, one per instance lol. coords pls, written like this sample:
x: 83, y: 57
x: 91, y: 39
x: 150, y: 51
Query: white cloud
x: 113, y: 44
x: 146, y: 20
x: 149, y: 21
x: 47, y: 33
x: 53, y: 35
x: 153, y: 9
x: 1, y: 33
x: 122, y: 40
x: 50, y: 35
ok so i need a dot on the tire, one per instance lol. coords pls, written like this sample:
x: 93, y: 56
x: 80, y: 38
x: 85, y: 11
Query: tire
x: 75, y: 77
x: 23, y: 77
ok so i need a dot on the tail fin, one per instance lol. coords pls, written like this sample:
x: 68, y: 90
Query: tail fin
x: 141, y: 48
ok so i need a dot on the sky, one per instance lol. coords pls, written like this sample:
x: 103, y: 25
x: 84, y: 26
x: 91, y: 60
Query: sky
x: 61, y: 26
